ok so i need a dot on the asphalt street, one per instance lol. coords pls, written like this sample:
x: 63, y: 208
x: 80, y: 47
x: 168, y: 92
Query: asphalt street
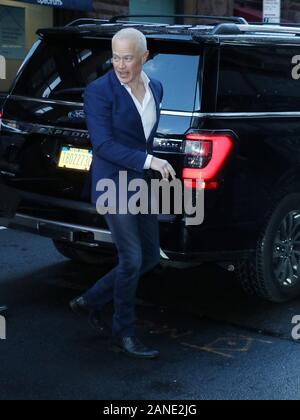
x: 215, y: 342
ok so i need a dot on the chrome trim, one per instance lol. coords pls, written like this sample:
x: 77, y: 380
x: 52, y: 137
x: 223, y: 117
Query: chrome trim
x: 167, y: 112
x: 269, y: 28
x: 232, y: 114
x: 247, y: 114
x: 90, y: 245
x: 81, y: 104
x: 20, y: 127
x: 5, y: 173
x: 68, y: 133
x: 176, y: 113
x: 162, y: 152
x: 45, y: 101
x: 167, y: 139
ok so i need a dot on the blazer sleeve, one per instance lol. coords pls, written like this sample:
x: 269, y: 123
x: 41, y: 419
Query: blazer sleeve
x: 98, y: 112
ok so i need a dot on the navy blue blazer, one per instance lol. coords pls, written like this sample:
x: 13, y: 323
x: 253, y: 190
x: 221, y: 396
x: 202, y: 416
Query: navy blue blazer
x: 116, y: 130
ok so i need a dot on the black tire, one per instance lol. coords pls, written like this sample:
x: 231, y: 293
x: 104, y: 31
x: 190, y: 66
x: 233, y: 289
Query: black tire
x: 274, y: 274
x: 81, y: 255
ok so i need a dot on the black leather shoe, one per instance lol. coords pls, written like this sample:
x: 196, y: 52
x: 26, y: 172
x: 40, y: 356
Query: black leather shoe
x: 3, y: 309
x: 80, y: 307
x: 133, y: 347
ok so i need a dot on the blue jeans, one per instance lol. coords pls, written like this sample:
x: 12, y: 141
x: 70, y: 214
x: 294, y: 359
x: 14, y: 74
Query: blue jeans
x: 137, y: 240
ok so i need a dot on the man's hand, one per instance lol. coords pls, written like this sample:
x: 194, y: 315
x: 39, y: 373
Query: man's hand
x: 164, y: 167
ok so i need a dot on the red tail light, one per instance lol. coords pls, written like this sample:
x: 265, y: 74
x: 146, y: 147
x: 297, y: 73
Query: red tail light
x: 205, y: 156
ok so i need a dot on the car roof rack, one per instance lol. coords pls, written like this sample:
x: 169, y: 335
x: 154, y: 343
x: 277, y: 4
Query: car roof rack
x: 214, y: 27
x: 239, y: 29
x: 231, y: 19
x: 86, y: 21
x: 270, y: 28
x: 284, y: 24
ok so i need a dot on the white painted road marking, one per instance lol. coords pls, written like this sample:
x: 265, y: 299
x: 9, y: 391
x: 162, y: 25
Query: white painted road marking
x: 2, y: 228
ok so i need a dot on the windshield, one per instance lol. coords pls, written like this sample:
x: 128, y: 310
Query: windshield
x: 62, y: 70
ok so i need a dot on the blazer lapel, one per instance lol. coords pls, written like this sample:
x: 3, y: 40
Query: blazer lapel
x: 155, y: 95
x: 125, y: 94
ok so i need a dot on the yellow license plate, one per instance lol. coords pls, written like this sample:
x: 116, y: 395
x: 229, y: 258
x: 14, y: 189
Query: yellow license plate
x: 73, y: 158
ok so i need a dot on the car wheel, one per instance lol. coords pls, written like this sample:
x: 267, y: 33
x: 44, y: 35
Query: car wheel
x: 274, y: 274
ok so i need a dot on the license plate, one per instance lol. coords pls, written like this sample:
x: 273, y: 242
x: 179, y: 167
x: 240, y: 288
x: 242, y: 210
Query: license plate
x: 77, y: 159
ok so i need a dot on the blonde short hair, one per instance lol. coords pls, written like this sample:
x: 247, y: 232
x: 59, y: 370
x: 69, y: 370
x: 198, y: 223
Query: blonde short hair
x: 133, y: 34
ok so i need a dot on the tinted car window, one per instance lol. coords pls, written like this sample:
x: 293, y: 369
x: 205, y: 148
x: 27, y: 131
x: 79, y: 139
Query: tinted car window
x: 258, y: 79
x: 62, y: 71
x: 178, y: 75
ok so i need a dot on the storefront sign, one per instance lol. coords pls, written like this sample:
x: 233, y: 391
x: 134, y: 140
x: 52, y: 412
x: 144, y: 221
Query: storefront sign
x: 272, y: 11
x: 64, y: 4
x: 12, y: 30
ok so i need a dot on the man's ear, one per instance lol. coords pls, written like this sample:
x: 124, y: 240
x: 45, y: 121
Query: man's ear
x: 145, y: 56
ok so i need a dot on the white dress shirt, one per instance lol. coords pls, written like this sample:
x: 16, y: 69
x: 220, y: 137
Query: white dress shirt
x: 147, y: 111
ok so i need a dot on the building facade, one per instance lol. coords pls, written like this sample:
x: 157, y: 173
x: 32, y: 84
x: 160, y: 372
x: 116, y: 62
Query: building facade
x: 19, y: 21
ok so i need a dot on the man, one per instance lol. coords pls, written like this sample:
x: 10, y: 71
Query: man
x: 122, y: 112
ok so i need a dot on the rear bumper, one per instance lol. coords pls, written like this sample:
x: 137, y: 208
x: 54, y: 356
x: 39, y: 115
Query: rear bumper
x: 77, y: 234
x: 80, y: 224
x: 93, y: 237
x: 56, y: 230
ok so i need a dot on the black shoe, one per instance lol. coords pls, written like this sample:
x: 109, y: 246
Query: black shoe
x: 3, y: 309
x: 80, y: 307
x: 133, y: 347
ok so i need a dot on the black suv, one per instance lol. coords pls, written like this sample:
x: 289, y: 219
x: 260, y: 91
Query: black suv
x: 230, y: 116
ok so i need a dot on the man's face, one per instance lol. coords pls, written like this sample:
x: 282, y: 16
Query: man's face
x: 127, y: 60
